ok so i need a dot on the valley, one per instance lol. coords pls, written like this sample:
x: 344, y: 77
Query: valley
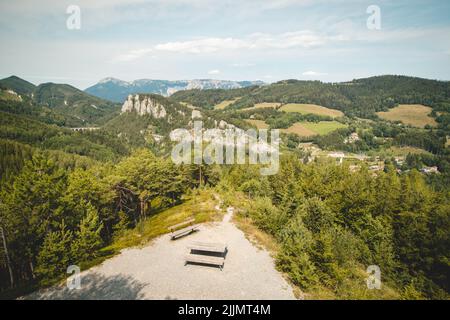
x: 364, y: 173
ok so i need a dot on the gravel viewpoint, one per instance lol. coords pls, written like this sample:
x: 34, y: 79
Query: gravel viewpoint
x: 157, y: 271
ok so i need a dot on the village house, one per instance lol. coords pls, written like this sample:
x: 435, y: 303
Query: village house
x: 352, y: 138
x: 376, y: 167
x: 429, y: 170
x: 337, y: 155
x: 399, y: 160
x: 354, y: 167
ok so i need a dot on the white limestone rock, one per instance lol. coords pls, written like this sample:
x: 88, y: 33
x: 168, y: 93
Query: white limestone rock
x: 196, y: 114
x: 222, y: 124
x: 144, y: 105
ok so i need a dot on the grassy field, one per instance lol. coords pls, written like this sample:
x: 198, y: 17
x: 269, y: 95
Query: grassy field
x: 260, y: 124
x: 300, y: 130
x: 323, y: 127
x: 264, y: 105
x: 403, y: 151
x: 224, y: 104
x: 311, y: 108
x: 308, y: 129
x: 304, y: 128
x: 415, y: 115
x: 190, y: 106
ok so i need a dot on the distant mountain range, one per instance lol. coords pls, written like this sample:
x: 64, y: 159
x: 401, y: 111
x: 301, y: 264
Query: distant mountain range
x: 68, y: 106
x: 118, y: 90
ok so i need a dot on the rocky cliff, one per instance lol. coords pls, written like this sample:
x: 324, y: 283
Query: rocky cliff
x: 144, y: 104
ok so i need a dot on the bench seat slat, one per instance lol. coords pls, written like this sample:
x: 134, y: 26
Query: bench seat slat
x: 218, y: 261
x: 171, y: 228
x: 209, y: 247
x: 184, y: 231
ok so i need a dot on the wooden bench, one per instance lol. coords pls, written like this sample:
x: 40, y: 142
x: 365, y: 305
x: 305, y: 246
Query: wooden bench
x: 208, y: 247
x: 187, y: 227
x: 198, y: 258
x: 203, y: 257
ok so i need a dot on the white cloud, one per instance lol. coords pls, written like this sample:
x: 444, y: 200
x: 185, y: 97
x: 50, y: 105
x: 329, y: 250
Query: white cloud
x: 206, y: 45
x: 257, y: 41
x: 132, y: 55
x: 313, y: 73
x: 213, y: 72
x: 305, y: 39
x: 242, y: 65
x: 349, y: 30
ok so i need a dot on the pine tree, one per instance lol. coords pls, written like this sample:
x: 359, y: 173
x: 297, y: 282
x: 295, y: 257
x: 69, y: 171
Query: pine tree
x: 123, y: 224
x: 85, y: 186
x: 32, y: 209
x: 88, y: 238
x: 55, y: 254
x: 410, y: 292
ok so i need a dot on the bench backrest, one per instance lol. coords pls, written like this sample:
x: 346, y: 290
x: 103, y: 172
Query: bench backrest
x: 208, y: 247
x: 182, y: 224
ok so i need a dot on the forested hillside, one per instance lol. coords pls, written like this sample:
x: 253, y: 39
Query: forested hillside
x: 54, y: 217
x: 61, y: 104
x: 331, y: 224
x: 74, y: 102
x: 207, y: 99
x: 22, y: 135
x: 18, y: 85
x: 362, y: 97
x: 38, y: 112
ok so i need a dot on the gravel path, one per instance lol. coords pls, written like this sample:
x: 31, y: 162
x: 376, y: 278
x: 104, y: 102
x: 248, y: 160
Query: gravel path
x: 157, y: 271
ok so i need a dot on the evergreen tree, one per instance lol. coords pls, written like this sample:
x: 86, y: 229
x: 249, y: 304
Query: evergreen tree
x: 123, y: 223
x: 55, y: 255
x: 88, y: 239
x: 32, y: 209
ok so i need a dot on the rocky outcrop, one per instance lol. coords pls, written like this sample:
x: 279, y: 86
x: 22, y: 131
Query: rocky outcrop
x: 196, y: 114
x: 225, y: 125
x: 144, y: 105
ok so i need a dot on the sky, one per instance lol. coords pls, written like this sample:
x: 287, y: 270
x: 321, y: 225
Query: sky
x: 268, y: 40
